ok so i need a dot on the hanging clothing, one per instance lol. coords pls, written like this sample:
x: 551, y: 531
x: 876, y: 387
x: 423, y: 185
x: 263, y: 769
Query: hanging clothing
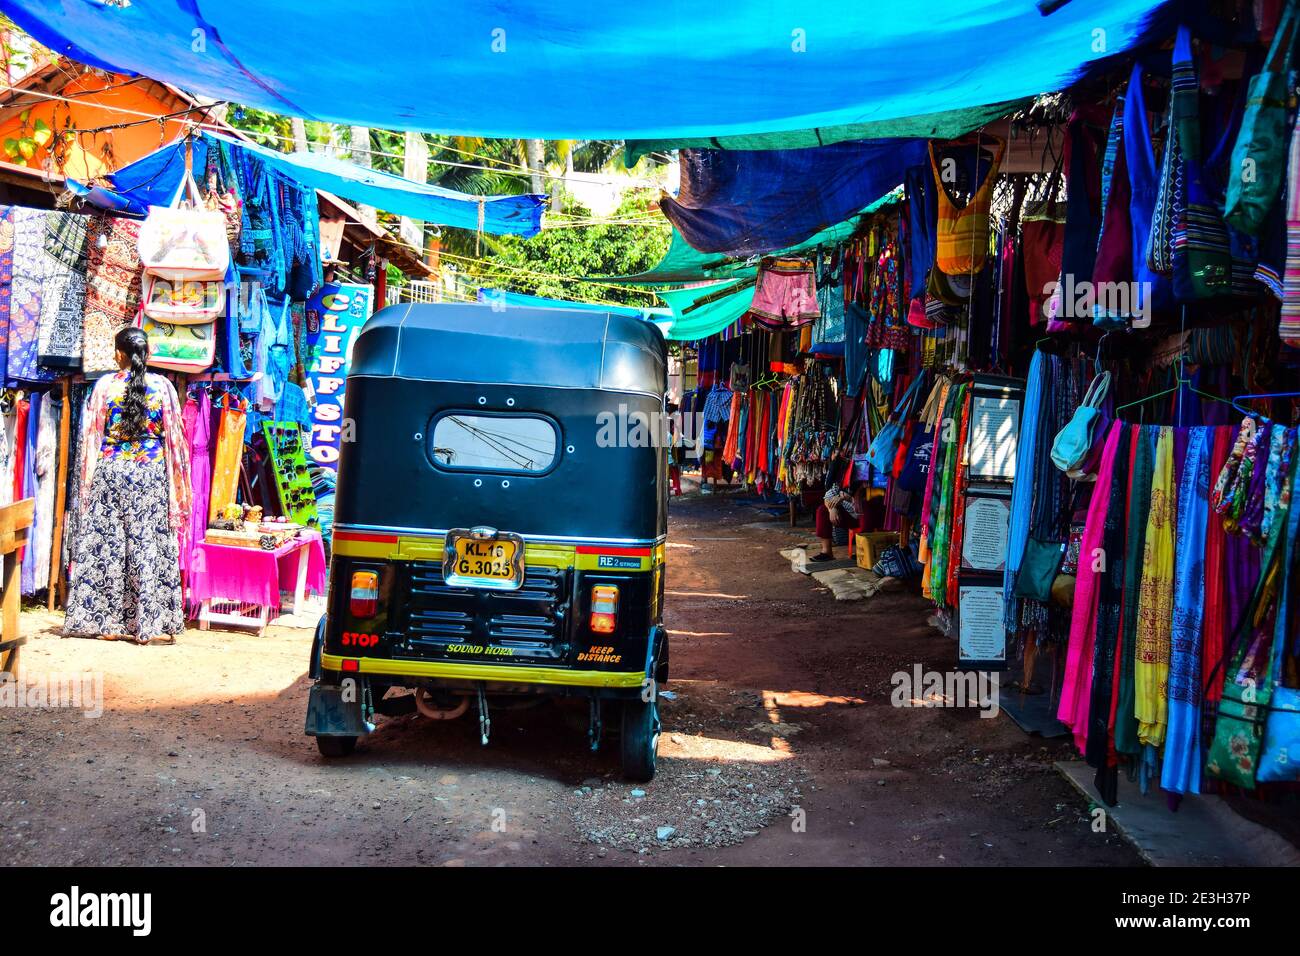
x: 31, y: 435
x: 229, y: 454
x: 8, y: 455
x: 1182, y: 754
x: 45, y: 468
x: 197, y: 420
x: 6, y: 285
x: 1152, y: 290
x: 1110, y: 601
x: 64, y: 300
x: 1124, y: 724
x: 112, y: 288
x: 26, y: 296
x: 1155, y: 599
x: 1076, y: 691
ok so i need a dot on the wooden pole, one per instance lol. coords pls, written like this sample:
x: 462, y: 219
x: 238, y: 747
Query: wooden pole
x: 60, y: 497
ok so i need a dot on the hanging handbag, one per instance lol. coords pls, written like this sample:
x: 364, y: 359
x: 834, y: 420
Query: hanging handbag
x: 1042, y: 561
x: 1202, y: 259
x: 1259, y: 156
x: 182, y: 301
x: 179, y: 348
x: 187, y: 240
x: 1038, y: 569
x: 1072, y: 442
x: 1160, y: 240
x: 884, y: 447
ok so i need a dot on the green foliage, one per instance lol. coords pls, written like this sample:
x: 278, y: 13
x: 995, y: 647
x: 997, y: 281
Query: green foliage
x: 528, y: 265
x: 265, y: 128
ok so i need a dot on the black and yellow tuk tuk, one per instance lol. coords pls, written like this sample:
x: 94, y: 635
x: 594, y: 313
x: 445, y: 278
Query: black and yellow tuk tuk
x: 500, y: 523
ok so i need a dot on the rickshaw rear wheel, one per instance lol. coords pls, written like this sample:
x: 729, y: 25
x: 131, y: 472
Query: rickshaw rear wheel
x: 640, y: 739
x: 336, y: 746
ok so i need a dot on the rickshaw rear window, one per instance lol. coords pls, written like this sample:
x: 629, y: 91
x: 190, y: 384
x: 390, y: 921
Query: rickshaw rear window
x: 518, y: 443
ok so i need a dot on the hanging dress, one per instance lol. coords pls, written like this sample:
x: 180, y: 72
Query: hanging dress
x: 197, y: 419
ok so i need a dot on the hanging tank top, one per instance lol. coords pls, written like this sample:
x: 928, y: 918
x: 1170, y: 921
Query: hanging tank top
x: 962, y: 235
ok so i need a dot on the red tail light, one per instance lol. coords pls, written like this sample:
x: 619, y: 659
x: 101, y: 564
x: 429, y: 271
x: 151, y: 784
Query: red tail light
x: 604, y: 608
x: 365, y: 594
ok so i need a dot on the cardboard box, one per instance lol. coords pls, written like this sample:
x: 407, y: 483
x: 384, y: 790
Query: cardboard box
x: 869, y: 544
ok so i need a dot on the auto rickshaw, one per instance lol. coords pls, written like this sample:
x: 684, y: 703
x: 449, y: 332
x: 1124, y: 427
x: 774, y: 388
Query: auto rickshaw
x: 500, y: 523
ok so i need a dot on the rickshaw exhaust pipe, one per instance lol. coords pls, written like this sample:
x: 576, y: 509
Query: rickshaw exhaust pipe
x: 423, y: 703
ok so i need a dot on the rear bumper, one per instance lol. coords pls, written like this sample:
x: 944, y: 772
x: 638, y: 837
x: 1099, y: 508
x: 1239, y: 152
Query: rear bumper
x: 485, y: 672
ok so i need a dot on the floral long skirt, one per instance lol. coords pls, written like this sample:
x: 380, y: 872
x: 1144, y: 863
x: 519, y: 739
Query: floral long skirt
x: 125, y: 578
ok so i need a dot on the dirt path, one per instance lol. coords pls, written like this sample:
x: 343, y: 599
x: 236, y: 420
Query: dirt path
x: 782, y: 699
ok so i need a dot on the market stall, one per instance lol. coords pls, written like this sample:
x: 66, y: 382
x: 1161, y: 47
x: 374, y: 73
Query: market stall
x: 1061, y: 364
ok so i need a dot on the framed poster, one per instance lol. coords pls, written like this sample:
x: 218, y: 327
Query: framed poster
x: 994, y: 430
x: 981, y: 633
x: 986, y: 531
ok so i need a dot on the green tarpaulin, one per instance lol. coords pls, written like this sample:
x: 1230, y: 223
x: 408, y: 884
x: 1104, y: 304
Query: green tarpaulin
x: 710, y: 318
x: 681, y: 263
x: 946, y: 125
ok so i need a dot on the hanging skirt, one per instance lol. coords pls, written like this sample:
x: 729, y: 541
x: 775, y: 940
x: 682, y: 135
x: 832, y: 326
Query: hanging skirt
x: 125, y: 577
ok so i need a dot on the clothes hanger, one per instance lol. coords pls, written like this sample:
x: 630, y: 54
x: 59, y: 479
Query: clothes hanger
x: 1181, y: 381
x: 1250, y: 412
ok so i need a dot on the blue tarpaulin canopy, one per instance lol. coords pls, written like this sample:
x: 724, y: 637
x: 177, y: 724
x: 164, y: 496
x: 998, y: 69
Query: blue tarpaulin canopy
x: 577, y: 69
x: 740, y: 202
x: 154, y: 180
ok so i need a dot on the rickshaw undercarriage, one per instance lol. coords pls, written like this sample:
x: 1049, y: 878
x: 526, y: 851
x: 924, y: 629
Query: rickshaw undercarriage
x: 338, y: 715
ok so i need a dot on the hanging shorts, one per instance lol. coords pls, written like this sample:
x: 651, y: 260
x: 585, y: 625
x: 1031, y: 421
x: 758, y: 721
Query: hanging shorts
x: 786, y: 296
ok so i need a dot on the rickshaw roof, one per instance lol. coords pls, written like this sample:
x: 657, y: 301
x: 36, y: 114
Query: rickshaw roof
x: 483, y: 343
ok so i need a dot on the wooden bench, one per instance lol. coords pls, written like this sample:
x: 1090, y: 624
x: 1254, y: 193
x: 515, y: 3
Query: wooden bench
x: 15, y: 526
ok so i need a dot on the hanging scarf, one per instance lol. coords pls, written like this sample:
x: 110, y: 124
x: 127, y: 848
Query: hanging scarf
x: 1110, y: 601
x: 1215, y: 626
x: 1124, y: 725
x: 1155, y: 598
x: 942, y: 539
x: 1022, y: 489
x: 1182, y: 767
x: 958, y: 507
x: 1075, y: 691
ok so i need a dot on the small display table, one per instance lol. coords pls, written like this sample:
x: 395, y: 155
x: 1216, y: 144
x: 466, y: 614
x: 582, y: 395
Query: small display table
x: 240, y: 587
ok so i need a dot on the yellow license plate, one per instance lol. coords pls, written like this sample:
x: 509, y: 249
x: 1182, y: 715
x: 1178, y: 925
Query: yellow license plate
x: 475, y: 558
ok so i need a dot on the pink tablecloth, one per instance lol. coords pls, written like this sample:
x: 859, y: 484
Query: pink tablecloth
x: 253, y: 575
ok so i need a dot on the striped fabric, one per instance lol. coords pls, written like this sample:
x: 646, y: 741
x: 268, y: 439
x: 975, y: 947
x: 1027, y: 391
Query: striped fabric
x: 1289, y: 327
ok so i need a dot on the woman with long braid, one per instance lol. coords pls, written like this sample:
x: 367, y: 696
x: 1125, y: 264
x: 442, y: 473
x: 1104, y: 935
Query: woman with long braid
x: 125, y: 579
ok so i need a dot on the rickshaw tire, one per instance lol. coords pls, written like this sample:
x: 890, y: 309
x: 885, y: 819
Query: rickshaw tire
x: 336, y: 746
x: 640, y: 739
